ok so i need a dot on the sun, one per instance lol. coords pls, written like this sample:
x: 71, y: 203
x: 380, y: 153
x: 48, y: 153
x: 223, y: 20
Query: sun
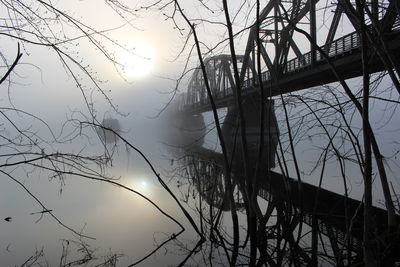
x: 137, y: 63
x: 140, y: 183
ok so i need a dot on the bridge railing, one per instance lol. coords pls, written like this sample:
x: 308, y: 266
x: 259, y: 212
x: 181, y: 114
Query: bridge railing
x: 338, y: 47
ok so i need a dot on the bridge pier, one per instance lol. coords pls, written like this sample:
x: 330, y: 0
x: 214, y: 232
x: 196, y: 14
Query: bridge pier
x: 252, y: 115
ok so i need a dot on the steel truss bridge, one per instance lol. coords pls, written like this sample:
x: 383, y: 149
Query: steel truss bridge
x: 293, y: 58
x: 285, y: 68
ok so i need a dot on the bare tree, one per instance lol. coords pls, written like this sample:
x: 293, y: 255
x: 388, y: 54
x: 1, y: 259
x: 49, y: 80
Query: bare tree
x: 30, y: 25
x: 275, y: 220
x: 333, y: 120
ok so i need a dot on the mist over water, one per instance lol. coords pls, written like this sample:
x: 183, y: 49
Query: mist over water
x: 70, y: 189
x: 121, y: 221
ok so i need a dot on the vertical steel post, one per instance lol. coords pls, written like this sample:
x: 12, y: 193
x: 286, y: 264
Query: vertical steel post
x: 375, y: 10
x: 313, y: 30
x: 276, y: 39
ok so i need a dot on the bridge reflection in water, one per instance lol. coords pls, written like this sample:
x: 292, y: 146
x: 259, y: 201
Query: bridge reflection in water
x: 301, y: 221
x: 325, y: 215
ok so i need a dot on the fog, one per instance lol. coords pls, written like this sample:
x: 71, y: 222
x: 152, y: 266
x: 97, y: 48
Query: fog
x: 120, y: 221
x: 70, y: 186
x: 42, y: 99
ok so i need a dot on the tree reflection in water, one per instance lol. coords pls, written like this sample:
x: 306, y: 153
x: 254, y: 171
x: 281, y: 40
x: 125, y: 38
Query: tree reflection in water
x: 280, y: 221
x: 288, y: 233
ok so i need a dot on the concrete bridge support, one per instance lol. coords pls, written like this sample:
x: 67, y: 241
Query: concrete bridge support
x: 252, y: 115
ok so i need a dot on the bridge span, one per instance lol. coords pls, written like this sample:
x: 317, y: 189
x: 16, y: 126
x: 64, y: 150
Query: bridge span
x: 283, y: 75
x: 273, y: 64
